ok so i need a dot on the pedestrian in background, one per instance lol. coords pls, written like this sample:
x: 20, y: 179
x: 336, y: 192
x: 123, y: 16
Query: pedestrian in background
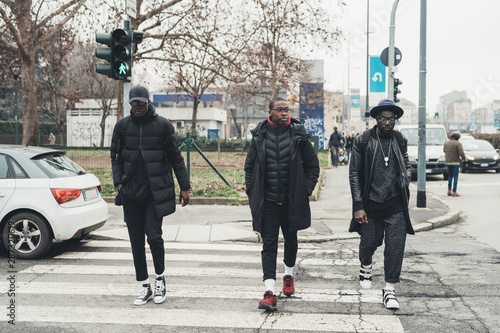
x: 348, y: 146
x: 143, y: 152
x: 336, y: 140
x: 453, y: 152
x: 281, y: 170
x: 379, y: 175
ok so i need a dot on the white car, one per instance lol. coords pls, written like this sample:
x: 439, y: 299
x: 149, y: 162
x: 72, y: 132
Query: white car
x: 45, y: 196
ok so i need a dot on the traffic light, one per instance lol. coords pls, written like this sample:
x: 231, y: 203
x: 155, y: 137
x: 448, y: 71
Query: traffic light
x: 121, y: 54
x: 338, y: 119
x: 436, y: 115
x: 104, y: 53
x: 397, y: 82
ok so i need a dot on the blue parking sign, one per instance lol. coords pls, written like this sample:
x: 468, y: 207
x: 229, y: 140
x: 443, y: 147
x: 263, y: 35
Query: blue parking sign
x: 377, y: 75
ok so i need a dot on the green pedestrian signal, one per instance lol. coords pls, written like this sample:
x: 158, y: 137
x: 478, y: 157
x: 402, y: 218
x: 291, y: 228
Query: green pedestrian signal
x: 122, y: 54
x: 436, y: 115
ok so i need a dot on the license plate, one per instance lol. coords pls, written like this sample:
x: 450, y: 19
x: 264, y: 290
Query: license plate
x: 484, y: 165
x: 89, y: 193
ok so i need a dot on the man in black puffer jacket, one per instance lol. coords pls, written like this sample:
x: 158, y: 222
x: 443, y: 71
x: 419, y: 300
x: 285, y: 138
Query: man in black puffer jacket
x: 143, y: 153
x: 281, y: 170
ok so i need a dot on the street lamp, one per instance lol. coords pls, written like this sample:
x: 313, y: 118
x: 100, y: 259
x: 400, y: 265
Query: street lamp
x: 15, y: 69
x: 349, y: 75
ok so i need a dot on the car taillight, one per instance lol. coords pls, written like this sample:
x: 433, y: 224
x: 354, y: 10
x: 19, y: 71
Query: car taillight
x: 99, y: 188
x: 63, y: 195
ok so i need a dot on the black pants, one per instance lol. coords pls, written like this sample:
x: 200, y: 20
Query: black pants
x: 372, y: 236
x: 141, y: 220
x: 274, y: 217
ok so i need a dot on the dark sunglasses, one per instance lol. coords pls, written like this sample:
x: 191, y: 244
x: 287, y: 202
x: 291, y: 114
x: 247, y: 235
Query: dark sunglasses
x: 384, y: 119
x: 138, y: 103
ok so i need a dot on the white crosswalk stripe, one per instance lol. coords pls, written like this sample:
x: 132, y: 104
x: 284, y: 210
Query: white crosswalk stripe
x: 96, y: 285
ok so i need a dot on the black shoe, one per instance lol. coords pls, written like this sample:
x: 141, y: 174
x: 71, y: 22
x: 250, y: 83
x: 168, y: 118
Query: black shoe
x: 145, y: 296
x: 160, y: 290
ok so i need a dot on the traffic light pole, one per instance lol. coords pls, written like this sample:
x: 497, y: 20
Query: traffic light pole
x: 126, y: 83
x: 392, y: 68
x: 422, y: 113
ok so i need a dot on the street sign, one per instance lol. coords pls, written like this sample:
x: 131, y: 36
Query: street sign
x: 377, y: 75
x: 131, y: 10
x: 385, y: 56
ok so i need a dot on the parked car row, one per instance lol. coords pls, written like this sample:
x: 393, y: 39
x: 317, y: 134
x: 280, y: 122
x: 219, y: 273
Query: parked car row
x: 45, y: 196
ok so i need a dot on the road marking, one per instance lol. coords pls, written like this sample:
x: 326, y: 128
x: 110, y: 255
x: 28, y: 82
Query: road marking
x: 303, y: 248
x: 175, y: 291
x: 203, y: 258
x: 159, y: 315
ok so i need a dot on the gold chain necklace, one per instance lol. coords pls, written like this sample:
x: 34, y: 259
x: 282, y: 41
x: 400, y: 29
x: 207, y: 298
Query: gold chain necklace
x: 386, y: 158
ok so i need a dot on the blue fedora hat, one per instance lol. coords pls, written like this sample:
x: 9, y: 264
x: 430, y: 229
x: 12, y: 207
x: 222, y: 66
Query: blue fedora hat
x: 386, y: 105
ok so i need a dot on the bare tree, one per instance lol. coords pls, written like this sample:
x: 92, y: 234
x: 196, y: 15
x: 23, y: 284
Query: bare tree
x: 26, y: 25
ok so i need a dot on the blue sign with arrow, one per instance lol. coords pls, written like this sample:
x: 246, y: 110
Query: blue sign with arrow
x: 377, y: 75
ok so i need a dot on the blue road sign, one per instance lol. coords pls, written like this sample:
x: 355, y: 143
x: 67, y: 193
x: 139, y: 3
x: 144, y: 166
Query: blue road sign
x: 377, y: 75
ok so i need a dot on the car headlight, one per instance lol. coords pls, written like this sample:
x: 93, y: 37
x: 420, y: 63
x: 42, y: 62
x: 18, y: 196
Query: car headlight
x: 470, y: 158
x: 441, y: 159
x: 496, y: 157
x: 412, y: 158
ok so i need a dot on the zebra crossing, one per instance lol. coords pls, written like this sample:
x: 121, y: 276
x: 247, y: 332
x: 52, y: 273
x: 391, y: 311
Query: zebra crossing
x: 210, y: 287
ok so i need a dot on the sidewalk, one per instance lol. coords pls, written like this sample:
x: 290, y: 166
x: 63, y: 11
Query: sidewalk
x: 331, y: 215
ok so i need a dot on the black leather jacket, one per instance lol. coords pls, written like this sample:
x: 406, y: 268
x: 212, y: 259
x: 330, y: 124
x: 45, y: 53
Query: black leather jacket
x: 361, y: 170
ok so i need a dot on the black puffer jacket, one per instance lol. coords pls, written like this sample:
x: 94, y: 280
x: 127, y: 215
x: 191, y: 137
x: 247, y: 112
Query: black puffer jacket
x: 304, y: 173
x: 154, y: 137
x: 361, y: 170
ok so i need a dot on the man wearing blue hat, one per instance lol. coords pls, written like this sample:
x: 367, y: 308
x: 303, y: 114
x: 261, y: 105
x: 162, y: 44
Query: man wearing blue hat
x: 379, y: 175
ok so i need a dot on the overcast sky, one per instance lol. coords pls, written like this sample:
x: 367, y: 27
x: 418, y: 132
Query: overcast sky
x: 463, y: 43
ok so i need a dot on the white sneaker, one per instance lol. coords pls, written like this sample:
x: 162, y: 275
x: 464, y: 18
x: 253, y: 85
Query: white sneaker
x: 160, y: 290
x: 145, y: 295
x: 389, y: 299
x: 365, y: 276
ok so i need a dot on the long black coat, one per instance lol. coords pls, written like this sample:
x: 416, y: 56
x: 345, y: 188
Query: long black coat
x: 155, y: 140
x: 304, y: 173
x: 361, y: 170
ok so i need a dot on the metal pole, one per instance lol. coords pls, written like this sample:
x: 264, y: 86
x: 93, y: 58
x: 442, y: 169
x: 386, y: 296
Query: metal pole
x: 392, y: 68
x: 348, y: 86
x: 421, y: 197
x: 126, y: 83
x: 367, y: 60
x: 15, y: 111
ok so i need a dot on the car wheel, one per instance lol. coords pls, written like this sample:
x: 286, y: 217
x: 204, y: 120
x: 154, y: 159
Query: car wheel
x: 497, y: 170
x: 445, y: 175
x: 27, y: 235
x: 463, y: 169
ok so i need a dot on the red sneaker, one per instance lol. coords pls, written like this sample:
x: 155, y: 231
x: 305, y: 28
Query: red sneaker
x: 269, y: 301
x: 288, y: 288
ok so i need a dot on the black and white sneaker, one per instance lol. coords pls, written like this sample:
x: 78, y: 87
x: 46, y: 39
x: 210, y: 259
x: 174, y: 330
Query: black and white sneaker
x: 145, y: 295
x: 160, y: 290
x: 365, y: 276
x: 389, y: 299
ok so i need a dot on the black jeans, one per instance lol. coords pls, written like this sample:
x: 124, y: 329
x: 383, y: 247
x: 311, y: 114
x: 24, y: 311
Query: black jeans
x: 141, y: 220
x: 372, y: 236
x: 274, y: 217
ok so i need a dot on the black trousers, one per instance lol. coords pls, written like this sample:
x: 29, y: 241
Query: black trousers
x: 372, y: 236
x: 274, y: 217
x: 141, y: 220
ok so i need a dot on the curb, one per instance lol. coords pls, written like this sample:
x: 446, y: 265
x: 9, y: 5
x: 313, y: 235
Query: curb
x: 449, y: 218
